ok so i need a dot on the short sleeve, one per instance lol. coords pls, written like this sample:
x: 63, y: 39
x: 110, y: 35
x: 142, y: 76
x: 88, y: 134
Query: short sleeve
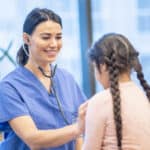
x: 11, y: 104
x: 80, y: 95
x: 79, y: 98
x: 77, y: 94
x: 68, y: 88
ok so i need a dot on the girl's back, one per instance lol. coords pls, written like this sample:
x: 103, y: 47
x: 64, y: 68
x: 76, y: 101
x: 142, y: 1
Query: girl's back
x: 136, y: 120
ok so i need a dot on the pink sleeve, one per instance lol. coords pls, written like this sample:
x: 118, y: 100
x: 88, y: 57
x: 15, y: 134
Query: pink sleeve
x: 95, y: 124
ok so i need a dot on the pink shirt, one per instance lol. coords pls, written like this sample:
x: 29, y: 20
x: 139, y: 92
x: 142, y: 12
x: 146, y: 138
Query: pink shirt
x: 100, y: 133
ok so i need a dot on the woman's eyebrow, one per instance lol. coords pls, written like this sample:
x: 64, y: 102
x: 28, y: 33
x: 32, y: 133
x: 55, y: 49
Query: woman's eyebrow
x: 50, y: 34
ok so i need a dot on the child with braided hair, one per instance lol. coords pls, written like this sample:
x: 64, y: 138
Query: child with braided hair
x: 118, y: 118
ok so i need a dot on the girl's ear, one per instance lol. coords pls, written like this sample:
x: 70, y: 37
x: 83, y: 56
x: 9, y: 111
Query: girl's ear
x: 103, y: 67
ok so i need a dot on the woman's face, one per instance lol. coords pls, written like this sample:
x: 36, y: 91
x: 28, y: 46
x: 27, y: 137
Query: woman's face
x: 45, y: 42
x: 101, y: 75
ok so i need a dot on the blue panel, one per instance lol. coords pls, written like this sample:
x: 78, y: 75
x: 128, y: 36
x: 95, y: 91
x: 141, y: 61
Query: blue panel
x: 85, y: 40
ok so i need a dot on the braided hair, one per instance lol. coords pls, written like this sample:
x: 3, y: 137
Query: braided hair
x: 120, y: 56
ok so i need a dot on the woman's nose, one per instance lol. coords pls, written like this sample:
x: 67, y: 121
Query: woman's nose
x: 53, y: 42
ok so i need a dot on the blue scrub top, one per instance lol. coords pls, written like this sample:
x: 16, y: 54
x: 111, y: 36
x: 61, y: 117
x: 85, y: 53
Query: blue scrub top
x: 21, y: 93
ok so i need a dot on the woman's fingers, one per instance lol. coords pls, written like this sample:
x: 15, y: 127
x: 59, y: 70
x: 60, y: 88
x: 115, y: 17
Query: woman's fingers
x: 81, y: 116
x: 82, y: 109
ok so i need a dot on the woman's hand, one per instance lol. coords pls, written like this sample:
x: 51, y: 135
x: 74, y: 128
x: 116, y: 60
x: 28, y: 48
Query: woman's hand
x: 81, y: 117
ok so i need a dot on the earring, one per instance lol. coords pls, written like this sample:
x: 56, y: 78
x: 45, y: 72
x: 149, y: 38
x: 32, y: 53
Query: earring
x: 25, y: 50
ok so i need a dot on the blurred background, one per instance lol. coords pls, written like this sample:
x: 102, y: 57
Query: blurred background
x: 84, y: 21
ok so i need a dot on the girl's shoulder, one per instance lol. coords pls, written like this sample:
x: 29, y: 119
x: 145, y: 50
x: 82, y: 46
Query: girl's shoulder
x: 101, y: 98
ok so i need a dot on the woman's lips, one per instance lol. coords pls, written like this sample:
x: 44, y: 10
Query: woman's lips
x: 51, y: 52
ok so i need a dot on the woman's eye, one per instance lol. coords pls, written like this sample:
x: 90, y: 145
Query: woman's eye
x: 59, y: 37
x: 45, y: 38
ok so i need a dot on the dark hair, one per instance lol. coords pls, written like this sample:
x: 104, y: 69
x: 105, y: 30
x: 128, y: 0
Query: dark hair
x: 120, y: 56
x: 34, y: 18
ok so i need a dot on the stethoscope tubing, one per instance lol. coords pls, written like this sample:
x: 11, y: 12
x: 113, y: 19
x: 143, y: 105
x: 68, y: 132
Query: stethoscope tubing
x: 54, y: 91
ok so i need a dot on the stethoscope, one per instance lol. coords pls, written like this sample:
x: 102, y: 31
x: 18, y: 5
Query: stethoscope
x: 53, y: 90
x: 52, y: 86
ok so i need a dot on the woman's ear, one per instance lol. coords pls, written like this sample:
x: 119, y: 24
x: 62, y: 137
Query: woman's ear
x: 26, y: 38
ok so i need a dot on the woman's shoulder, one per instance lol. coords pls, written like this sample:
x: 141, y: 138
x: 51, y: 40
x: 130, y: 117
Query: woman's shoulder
x: 7, y: 82
x: 12, y: 78
x: 10, y: 75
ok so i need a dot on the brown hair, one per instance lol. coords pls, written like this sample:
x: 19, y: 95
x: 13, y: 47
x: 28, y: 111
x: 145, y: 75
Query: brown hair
x: 120, y: 56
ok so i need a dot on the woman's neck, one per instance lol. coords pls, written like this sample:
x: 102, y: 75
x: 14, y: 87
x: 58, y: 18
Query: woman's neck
x: 33, y: 66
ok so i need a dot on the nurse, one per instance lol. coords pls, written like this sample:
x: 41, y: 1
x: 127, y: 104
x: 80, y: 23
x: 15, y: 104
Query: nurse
x: 38, y: 101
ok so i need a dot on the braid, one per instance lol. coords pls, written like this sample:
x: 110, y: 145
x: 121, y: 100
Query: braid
x: 114, y: 88
x: 120, y: 58
x: 138, y: 68
x: 144, y: 84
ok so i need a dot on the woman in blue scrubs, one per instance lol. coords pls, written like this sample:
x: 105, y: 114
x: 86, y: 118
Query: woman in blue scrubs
x: 39, y: 102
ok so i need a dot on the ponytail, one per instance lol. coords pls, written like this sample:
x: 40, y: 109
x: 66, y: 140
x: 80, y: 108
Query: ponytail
x: 22, y: 56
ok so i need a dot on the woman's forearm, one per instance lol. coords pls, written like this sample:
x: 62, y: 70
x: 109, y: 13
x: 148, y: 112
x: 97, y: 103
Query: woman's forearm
x: 36, y: 139
x: 53, y: 138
